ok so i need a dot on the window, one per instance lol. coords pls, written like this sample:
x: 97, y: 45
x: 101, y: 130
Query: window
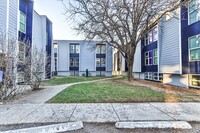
x: 74, y: 73
x: 20, y: 77
x: 55, y: 45
x: 103, y: 62
x: 195, y: 80
x: 155, y: 57
x: 148, y: 58
x: 100, y: 73
x: 74, y: 62
x: 194, y: 48
x: 148, y: 75
x: 21, y: 51
x: 157, y: 76
x: 103, y: 49
x: 74, y: 48
x: 100, y: 62
x: 22, y: 22
x: 194, y: 13
x: 151, y: 37
x: 100, y: 49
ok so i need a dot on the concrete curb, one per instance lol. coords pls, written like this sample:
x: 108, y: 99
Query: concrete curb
x: 70, y: 126
x: 154, y: 124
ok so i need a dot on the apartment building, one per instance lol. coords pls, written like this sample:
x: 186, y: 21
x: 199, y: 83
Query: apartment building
x: 73, y: 58
x: 170, y: 52
x: 19, y: 21
x: 43, y: 39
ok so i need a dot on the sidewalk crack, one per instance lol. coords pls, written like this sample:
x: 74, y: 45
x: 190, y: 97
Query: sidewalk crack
x: 31, y: 112
x: 162, y: 111
x: 73, y: 112
x: 115, y: 112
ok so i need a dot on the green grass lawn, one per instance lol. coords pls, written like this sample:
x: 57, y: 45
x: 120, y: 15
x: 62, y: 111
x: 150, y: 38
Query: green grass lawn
x: 59, y: 80
x: 107, y: 91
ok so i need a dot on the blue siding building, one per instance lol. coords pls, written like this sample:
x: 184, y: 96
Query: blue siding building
x: 19, y: 21
x: 171, y: 54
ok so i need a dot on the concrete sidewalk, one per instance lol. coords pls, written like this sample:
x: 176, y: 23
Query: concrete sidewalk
x: 100, y: 112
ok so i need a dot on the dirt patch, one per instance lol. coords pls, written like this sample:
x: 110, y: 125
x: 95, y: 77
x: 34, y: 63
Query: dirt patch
x: 172, y: 93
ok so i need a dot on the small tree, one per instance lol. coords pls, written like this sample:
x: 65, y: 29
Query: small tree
x: 8, y: 66
x: 35, y: 65
x: 121, y: 23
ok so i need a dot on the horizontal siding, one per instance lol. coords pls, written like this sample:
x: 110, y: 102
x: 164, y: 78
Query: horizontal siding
x: 38, y: 32
x: 3, y: 14
x: 13, y: 18
x: 170, y: 47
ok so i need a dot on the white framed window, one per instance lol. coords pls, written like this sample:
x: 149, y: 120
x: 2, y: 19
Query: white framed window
x: 100, y: 62
x: 100, y: 73
x: 194, y: 48
x: 148, y: 58
x: 155, y: 57
x: 194, y: 11
x: 74, y: 62
x: 148, y: 75
x: 100, y: 49
x: 151, y: 37
x: 20, y: 77
x: 55, y: 46
x: 103, y: 62
x: 22, y: 23
x: 21, y: 53
x: 195, y: 80
x: 74, y: 48
x: 74, y: 73
x: 157, y: 76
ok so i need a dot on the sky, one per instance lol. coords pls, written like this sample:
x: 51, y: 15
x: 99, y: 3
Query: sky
x: 54, y: 10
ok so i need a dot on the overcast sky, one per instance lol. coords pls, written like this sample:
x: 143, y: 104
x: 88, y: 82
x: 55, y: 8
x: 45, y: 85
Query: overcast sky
x: 54, y: 10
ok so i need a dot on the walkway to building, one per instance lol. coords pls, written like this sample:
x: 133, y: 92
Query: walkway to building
x: 42, y: 96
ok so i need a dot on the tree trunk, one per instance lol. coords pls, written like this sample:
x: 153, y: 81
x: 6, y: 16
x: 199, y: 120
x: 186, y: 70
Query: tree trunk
x: 130, y: 68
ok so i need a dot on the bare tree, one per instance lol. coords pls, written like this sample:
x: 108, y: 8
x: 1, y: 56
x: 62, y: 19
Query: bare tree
x: 121, y: 23
x: 8, y: 66
x: 35, y: 65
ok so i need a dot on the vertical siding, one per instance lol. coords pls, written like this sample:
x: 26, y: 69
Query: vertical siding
x: 87, y: 57
x: 170, y: 47
x: 137, y: 59
x: 3, y: 15
x: 13, y: 18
